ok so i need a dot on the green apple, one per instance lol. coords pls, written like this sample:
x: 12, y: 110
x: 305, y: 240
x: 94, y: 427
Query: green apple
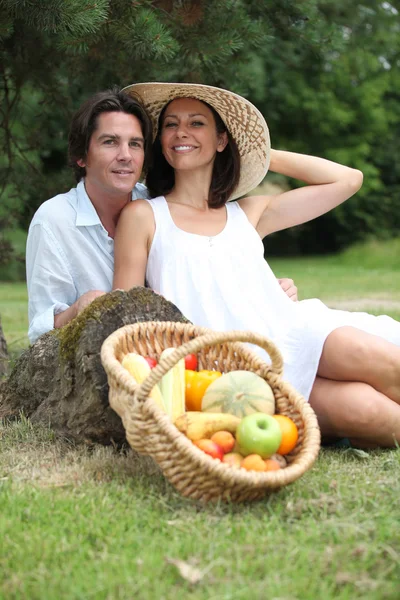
x: 258, y: 433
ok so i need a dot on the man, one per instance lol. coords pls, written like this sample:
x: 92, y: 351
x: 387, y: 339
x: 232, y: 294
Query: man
x: 70, y: 247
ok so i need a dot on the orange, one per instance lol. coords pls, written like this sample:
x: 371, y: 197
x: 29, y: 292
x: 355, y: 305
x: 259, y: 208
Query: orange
x: 272, y: 465
x: 253, y: 462
x: 290, y: 434
x: 224, y: 439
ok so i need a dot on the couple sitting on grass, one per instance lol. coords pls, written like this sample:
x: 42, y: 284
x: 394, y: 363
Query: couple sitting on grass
x: 189, y: 241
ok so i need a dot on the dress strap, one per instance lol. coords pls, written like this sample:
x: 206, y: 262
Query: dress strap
x: 161, y: 212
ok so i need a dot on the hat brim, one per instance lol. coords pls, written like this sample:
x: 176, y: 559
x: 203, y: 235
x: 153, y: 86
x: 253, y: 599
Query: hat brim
x: 243, y: 120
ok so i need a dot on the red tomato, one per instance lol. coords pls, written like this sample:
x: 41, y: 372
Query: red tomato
x: 191, y: 362
x: 151, y: 362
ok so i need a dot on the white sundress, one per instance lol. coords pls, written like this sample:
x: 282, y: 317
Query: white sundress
x: 224, y: 282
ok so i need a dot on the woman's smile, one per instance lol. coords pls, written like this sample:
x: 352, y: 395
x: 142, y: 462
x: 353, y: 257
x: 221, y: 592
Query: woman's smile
x: 182, y: 149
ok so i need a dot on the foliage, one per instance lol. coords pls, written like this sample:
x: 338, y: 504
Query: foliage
x: 324, y: 72
x: 342, y: 104
x: 57, y: 53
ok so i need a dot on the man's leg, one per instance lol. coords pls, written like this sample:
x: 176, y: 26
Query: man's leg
x: 350, y: 354
x: 348, y: 409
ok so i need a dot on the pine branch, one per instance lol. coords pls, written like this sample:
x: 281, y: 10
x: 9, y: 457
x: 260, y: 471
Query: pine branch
x: 56, y: 16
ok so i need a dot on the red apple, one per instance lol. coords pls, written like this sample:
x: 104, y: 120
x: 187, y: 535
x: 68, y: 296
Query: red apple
x: 210, y: 448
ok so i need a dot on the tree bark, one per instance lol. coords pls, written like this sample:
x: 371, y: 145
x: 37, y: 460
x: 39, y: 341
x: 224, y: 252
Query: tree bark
x: 60, y: 381
x: 3, y: 353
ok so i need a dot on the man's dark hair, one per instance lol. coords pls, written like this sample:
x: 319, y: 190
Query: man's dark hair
x: 226, y: 172
x: 84, y: 123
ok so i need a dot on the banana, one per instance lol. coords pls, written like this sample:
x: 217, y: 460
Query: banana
x: 198, y: 425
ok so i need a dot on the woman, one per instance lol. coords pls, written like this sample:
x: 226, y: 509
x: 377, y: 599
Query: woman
x: 206, y: 255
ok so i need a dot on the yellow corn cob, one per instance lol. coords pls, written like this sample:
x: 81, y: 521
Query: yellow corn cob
x: 138, y: 367
x: 172, y: 387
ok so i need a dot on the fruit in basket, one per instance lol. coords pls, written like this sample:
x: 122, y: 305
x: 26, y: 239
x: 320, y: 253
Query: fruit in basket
x: 239, y: 393
x: 191, y: 362
x: 225, y: 440
x: 172, y: 387
x: 151, y: 361
x: 279, y: 459
x: 253, y: 462
x: 234, y: 459
x: 258, y: 434
x: 290, y: 434
x: 210, y: 448
x: 138, y: 367
x: 272, y: 465
x: 196, y: 384
x: 197, y: 425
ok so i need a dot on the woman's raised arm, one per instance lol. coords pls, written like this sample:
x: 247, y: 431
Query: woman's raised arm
x: 329, y: 184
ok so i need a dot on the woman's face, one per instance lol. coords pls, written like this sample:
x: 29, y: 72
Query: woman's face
x: 189, y: 137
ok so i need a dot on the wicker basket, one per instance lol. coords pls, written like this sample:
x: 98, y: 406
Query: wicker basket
x: 150, y: 431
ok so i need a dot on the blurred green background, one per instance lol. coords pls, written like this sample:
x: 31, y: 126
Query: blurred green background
x: 325, y: 73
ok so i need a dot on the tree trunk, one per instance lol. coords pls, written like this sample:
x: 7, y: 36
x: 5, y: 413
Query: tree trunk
x: 60, y: 381
x: 3, y: 353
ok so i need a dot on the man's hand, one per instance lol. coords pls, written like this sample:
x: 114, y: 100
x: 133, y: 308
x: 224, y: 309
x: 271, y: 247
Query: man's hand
x: 86, y: 299
x: 65, y: 317
x: 289, y: 288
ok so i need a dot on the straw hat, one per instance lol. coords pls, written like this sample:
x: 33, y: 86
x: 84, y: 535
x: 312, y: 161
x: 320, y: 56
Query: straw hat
x: 243, y: 120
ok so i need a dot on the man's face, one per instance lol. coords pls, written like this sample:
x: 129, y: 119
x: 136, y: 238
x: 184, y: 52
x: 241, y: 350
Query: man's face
x: 115, y: 157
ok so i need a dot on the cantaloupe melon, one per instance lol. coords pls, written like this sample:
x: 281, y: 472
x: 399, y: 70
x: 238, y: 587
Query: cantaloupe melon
x: 239, y: 393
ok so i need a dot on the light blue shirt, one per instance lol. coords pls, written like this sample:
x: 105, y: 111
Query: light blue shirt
x: 68, y: 253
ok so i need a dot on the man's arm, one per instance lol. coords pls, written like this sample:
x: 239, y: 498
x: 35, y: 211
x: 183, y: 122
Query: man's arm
x: 51, y: 290
x: 73, y: 311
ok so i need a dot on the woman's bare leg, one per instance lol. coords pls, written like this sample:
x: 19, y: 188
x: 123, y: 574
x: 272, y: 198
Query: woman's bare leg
x: 350, y: 354
x: 357, y: 411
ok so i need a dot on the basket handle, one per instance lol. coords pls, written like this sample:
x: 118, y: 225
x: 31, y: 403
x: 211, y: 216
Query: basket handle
x: 209, y: 339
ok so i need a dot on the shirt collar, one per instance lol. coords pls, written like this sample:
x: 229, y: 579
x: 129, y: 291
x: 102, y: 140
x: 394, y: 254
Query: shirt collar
x: 86, y: 214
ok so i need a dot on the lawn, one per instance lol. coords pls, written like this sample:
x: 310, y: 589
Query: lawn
x: 82, y: 522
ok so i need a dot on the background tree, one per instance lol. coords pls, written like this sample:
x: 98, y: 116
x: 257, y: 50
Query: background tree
x: 56, y: 53
x: 341, y: 103
x: 325, y: 73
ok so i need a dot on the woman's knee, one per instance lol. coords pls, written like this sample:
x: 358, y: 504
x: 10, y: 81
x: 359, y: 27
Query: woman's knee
x: 350, y: 354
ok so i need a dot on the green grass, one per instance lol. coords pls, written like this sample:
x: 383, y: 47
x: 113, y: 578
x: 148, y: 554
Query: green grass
x: 78, y: 523
x: 83, y: 523
x: 14, y: 315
